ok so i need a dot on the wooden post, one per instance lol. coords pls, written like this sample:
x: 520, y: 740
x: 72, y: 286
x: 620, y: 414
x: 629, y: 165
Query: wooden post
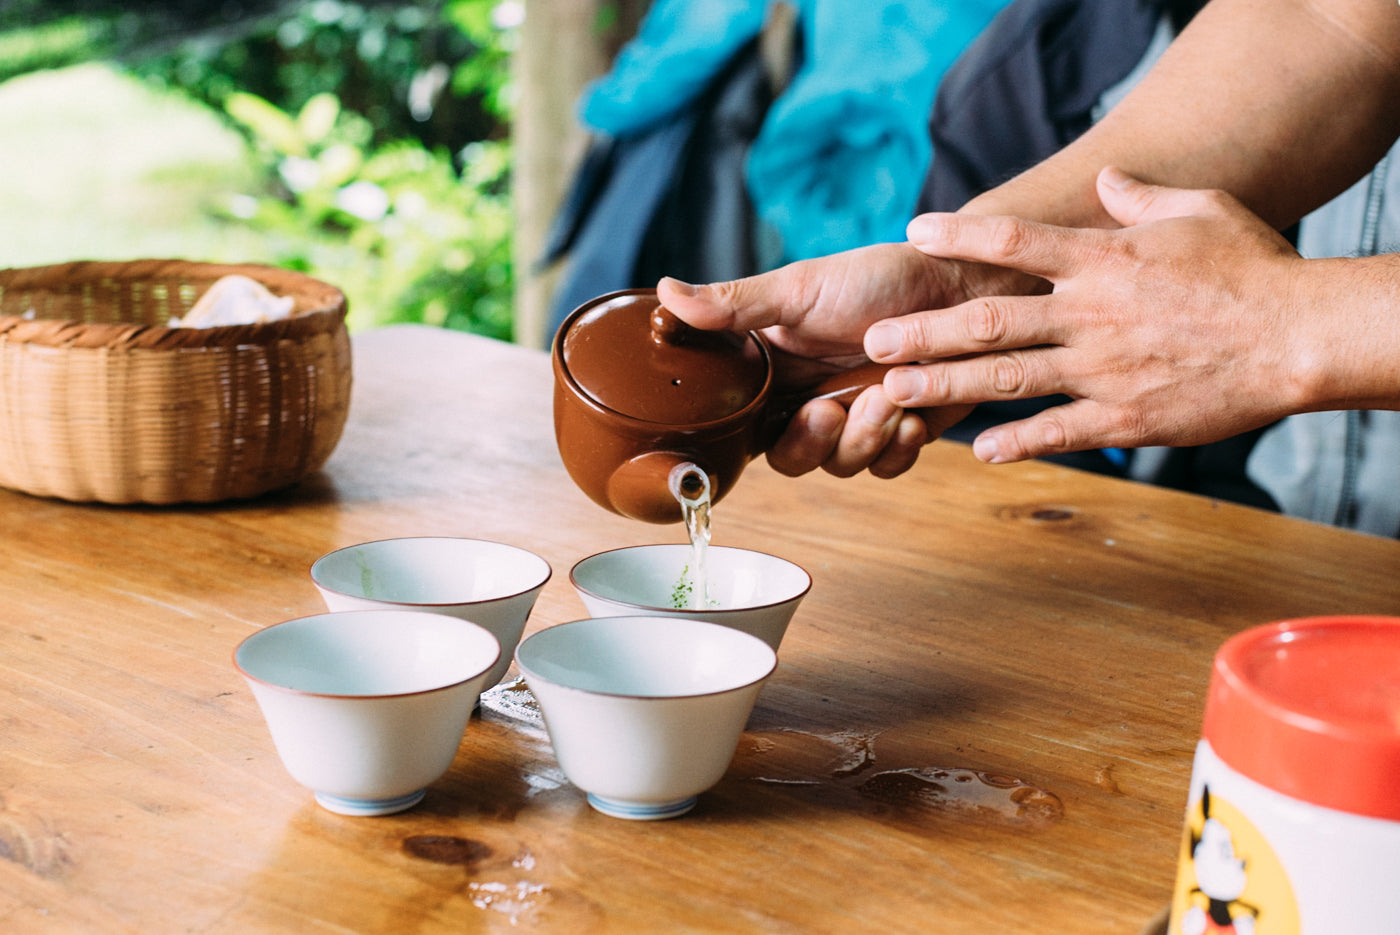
x: 564, y: 44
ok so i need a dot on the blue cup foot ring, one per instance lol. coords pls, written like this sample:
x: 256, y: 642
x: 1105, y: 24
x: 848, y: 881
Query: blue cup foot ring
x: 342, y: 805
x: 641, y: 811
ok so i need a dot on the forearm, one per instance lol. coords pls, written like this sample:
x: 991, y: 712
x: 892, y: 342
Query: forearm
x: 1346, y: 354
x: 1282, y: 103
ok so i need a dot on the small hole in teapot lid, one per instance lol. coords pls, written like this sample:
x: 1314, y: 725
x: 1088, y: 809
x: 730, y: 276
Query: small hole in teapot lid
x: 629, y: 353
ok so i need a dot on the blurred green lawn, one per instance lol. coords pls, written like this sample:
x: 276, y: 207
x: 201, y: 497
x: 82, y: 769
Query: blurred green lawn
x: 96, y: 165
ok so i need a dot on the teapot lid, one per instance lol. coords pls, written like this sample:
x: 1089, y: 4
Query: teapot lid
x: 627, y: 352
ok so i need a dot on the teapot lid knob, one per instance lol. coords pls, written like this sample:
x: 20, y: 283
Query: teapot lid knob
x: 666, y: 328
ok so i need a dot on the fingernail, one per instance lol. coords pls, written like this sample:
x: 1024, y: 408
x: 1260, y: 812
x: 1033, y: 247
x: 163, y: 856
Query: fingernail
x: 881, y: 341
x: 903, y: 386
x: 1115, y: 178
x: 986, y: 449
x: 684, y: 288
x: 823, y: 422
x: 876, y: 409
x: 921, y: 229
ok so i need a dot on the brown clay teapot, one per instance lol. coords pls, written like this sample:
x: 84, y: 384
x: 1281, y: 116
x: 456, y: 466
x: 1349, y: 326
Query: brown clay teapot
x: 644, y: 404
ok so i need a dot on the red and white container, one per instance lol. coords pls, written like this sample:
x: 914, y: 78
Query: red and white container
x: 1293, y: 820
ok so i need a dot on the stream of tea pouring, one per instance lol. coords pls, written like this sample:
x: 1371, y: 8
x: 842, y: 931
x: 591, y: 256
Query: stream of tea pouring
x: 691, y: 487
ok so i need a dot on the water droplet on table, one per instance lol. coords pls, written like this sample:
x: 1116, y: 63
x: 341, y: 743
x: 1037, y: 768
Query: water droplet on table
x: 841, y: 762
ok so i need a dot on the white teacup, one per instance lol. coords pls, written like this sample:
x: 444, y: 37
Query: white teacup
x: 489, y: 583
x: 366, y: 708
x: 644, y: 713
x: 749, y: 591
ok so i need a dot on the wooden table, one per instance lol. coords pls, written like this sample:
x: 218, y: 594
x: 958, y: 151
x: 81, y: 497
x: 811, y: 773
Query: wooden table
x: 982, y: 721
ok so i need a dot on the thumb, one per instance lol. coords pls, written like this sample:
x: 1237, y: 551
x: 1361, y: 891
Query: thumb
x: 1131, y: 201
x: 739, y: 305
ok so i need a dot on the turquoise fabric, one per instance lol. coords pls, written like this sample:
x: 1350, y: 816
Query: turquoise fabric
x: 842, y: 154
x: 679, y: 47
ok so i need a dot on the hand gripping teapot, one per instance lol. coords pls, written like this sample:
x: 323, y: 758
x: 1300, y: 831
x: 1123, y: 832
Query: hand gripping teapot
x: 647, y: 408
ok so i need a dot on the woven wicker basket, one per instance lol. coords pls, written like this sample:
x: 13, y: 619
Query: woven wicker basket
x: 100, y: 400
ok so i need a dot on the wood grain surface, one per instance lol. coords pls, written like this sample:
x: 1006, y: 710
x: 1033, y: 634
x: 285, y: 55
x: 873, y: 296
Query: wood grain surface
x: 982, y: 720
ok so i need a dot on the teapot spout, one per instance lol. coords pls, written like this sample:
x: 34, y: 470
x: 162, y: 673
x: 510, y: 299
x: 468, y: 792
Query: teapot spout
x: 650, y: 487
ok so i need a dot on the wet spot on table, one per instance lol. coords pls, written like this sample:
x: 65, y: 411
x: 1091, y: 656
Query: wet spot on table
x: 447, y: 849
x: 835, y: 765
x: 973, y: 793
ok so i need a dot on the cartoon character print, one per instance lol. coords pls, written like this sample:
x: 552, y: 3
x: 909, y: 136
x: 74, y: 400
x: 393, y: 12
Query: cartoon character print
x: 1220, y: 878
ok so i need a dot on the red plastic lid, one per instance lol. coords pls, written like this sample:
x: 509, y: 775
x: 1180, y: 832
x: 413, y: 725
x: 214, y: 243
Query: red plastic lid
x: 1311, y: 709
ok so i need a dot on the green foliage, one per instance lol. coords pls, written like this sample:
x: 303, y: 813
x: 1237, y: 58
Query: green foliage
x: 490, y: 26
x: 398, y: 227
x: 50, y: 45
x: 378, y: 129
x: 432, y: 71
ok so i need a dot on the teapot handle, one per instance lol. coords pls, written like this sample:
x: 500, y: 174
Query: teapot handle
x: 843, y: 387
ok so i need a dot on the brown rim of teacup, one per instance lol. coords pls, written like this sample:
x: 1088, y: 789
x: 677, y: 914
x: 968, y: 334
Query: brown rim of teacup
x: 664, y: 621
x: 573, y: 580
x: 339, y: 613
x: 548, y: 571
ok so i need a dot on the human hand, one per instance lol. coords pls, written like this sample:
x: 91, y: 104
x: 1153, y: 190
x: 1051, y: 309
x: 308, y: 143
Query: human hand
x: 1174, y: 330
x: 814, y: 314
